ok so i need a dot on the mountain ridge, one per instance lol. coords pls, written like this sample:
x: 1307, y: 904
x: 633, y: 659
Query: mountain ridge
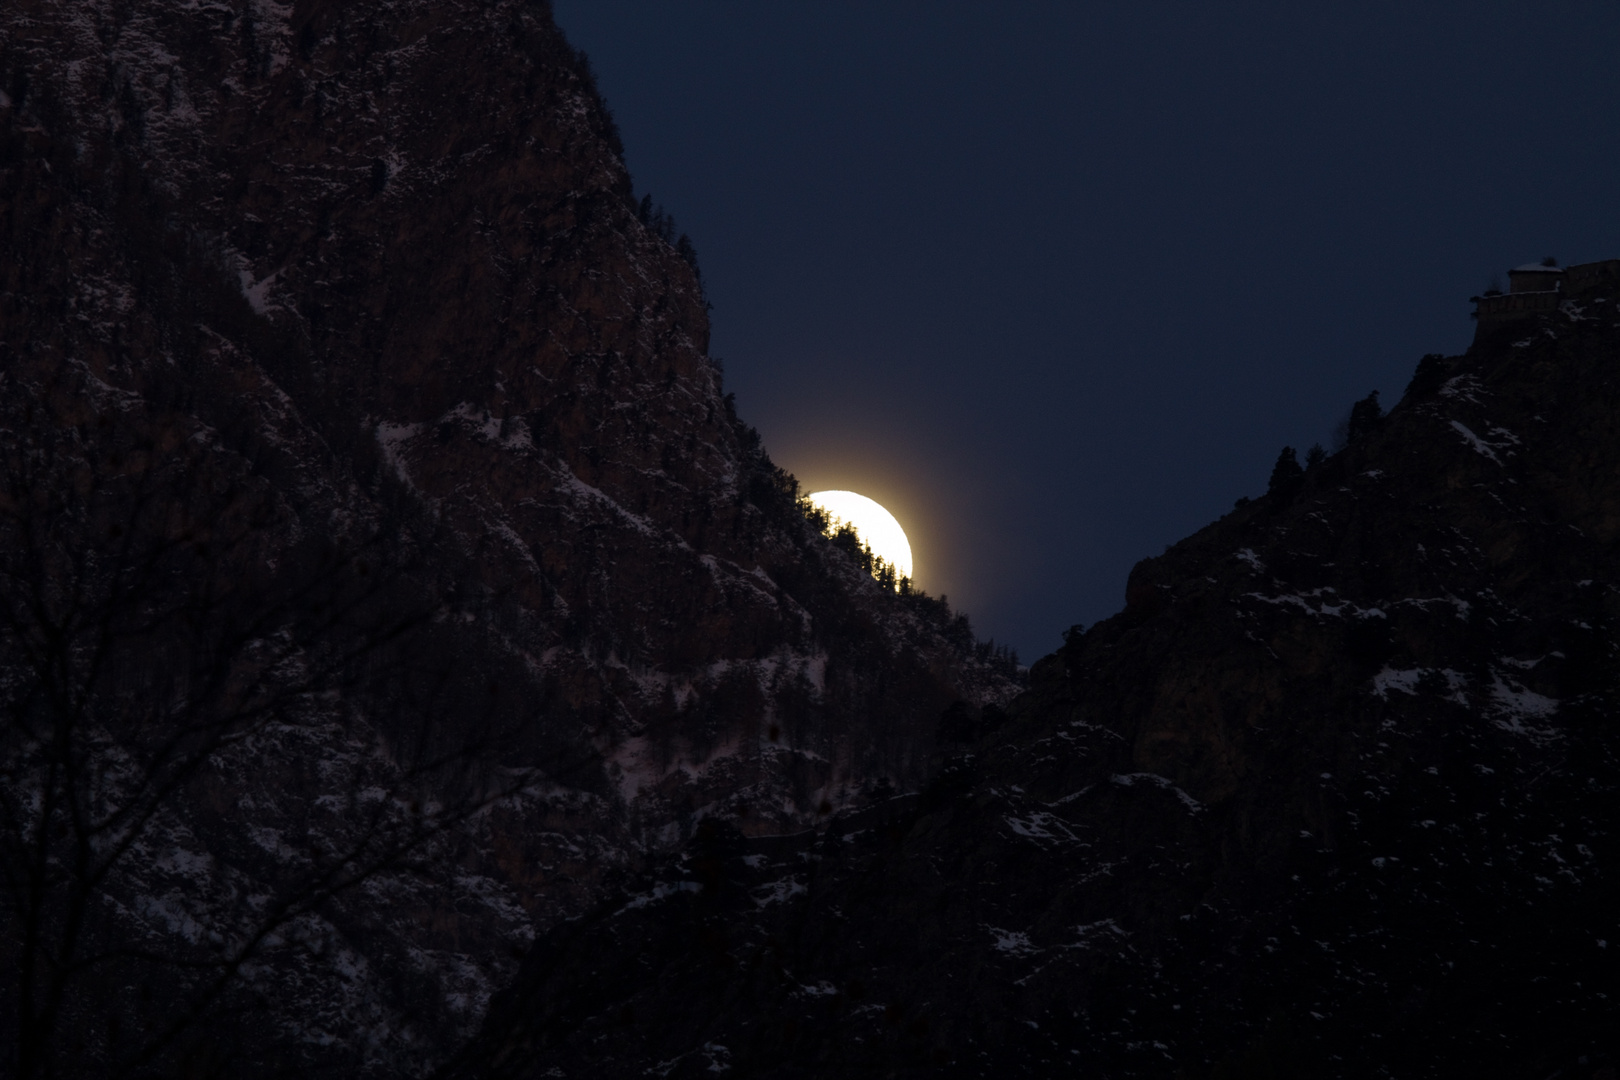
x: 337, y: 356
x: 1333, y: 795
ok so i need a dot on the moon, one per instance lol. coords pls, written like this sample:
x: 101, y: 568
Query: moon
x: 876, y: 527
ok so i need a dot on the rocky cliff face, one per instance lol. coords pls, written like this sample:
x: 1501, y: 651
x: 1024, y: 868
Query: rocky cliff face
x: 1335, y: 795
x: 357, y: 429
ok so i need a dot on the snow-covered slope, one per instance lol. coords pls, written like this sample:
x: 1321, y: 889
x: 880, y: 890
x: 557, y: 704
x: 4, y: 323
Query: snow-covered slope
x: 1336, y: 795
x: 354, y: 297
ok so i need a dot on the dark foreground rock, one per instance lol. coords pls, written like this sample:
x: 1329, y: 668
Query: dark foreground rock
x: 383, y: 570
x: 1335, y: 795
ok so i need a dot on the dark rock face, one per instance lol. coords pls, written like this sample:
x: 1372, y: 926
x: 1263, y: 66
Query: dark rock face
x: 326, y: 307
x: 1335, y: 795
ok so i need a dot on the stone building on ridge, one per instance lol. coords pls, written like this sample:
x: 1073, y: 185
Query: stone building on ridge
x: 1538, y: 288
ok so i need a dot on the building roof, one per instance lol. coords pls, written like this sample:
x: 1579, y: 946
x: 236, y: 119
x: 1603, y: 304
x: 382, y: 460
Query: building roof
x: 1536, y: 268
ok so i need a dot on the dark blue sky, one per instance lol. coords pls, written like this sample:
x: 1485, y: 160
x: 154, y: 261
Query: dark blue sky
x: 1054, y: 281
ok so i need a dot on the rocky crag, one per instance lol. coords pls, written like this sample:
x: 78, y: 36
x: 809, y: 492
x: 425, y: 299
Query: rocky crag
x: 386, y: 574
x: 1335, y: 795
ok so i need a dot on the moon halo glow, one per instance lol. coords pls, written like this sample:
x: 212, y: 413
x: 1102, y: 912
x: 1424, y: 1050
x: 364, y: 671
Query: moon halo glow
x: 876, y: 527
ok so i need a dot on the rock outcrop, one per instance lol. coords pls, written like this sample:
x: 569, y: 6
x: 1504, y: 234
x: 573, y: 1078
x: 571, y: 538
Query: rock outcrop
x: 1335, y: 795
x: 357, y: 428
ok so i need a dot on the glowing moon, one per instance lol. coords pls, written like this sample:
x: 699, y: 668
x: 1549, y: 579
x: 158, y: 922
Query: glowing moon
x: 874, y: 525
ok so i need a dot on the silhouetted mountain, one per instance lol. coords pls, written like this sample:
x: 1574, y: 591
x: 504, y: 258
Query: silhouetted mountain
x: 1335, y: 795
x: 389, y: 592
x: 386, y: 574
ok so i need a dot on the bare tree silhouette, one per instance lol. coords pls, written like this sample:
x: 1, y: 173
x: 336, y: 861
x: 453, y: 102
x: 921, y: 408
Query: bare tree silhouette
x: 162, y: 610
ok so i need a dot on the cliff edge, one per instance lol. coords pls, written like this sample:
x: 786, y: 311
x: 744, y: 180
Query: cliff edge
x: 386, y: 573
x: 1334, y: 795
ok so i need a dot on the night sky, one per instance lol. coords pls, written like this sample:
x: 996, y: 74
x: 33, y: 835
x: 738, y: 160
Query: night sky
x: 1054, y: 282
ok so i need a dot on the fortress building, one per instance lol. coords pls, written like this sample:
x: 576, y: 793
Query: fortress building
x: 1537, y: 288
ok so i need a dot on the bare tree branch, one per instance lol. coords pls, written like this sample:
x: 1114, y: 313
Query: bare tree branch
x: 158, y: 613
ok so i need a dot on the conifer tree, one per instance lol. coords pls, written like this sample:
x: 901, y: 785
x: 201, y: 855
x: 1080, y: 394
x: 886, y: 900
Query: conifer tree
x: 1285, y: 475
x: 1429, y: 377
x: 1364, y: 417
